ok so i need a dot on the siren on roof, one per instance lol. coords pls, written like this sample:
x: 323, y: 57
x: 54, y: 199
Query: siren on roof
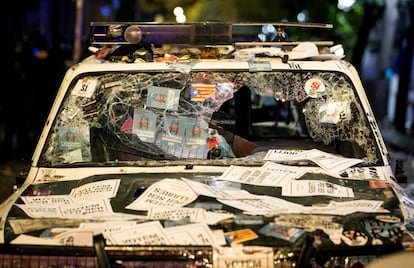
x: 198, y: 33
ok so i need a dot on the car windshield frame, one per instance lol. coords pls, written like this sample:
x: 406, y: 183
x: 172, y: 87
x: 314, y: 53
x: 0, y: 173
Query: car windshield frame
x: 97, y: 116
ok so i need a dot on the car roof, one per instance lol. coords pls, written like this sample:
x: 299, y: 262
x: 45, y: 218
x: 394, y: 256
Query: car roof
x: 129, y: 42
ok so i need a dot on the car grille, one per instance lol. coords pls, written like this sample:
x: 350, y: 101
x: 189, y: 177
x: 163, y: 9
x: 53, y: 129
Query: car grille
x: 115, y: 257
x: 35, y: 261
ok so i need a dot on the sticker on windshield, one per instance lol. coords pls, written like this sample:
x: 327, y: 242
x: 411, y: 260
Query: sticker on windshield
x: 71, y: 141
x: 70, y: 112
x: 144, y: 124
x: 334, y: 112
x: 200, y: 92
x: 174, y: 129
x: 163, y: 98
x: 71, y: 137
x: 85, y: 87
x: 314, y: 86
x: 196, y: 132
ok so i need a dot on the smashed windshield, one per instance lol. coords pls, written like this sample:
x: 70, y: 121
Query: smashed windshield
x: 200, y: 115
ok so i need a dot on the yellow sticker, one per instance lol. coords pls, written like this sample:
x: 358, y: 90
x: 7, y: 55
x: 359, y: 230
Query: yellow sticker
x: 239, y: 236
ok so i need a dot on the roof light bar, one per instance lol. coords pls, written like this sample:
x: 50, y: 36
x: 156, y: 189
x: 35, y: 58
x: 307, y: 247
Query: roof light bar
x: 200, y: 33
x: 161, y: 33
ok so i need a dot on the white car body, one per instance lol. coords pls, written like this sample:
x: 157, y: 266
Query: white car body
x: 80, y: 188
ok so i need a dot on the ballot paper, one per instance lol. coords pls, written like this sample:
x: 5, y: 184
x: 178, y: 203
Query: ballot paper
x: 166, y: 192
x: 269, y: 175
x: 329, y: 162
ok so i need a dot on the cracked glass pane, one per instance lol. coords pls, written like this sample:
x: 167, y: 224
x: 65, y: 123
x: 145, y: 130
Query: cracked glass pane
x: 206, y: 116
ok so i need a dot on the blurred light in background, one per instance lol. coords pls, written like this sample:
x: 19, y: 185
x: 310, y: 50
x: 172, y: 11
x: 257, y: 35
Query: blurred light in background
x: 303, y: 16
x: 268, y: 33
x: 345, y: 5
x: 105, y: 10
x: 179, y: 14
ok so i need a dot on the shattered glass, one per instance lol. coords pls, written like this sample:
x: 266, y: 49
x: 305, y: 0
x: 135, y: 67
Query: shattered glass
x: 142, y: 116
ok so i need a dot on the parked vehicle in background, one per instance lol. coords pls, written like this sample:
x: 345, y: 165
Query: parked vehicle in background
x: 207, y: 145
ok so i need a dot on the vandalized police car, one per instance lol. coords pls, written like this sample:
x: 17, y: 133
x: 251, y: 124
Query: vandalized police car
x: 207, y: 145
